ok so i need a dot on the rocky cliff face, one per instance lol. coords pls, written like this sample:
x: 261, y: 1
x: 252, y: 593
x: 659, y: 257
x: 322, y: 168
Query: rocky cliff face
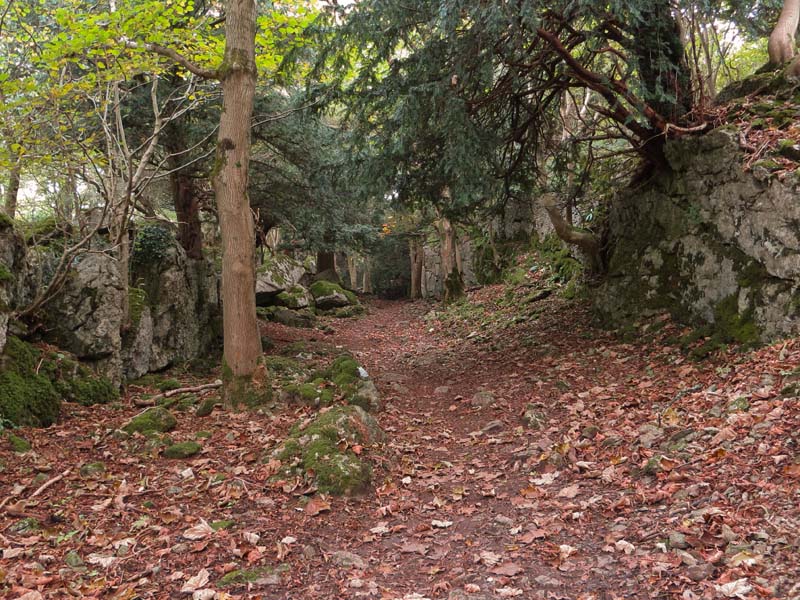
x: 709, y: 243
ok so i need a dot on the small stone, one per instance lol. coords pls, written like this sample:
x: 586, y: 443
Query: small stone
x: 92, y: 469
x: 677, y: 540
x: 182, y: 450
x: 503, y: 520
x: 700, y: 572
x: 590, y: 432
x: 73, y: 560
x: 442, y: 390
x: 206, y: 407
x: 153, y: 420
x: 482, y: 399
x: 533, y: 417
x: 493, y: 427
x: 348, y: 560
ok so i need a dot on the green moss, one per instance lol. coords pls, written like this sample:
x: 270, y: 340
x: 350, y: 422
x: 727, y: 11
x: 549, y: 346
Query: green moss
x: 242, y: 392
x: 733, y: 326
x: 206, y: 407
x: 168, y: 385
x: 343, y: 371
x: 137, y: 302
x: 92, y: 469
x: 282, y: 364
x: 245, y: 576
x: 347, y: 312
x: 5, y: 274
x: 182, y: 450
x: 17, y: 443
x: 151, y: 245
x: 28, y: 399
x: 88, y: 391
x: 224, y: 524
x: 322, y: 288
x: 6, y: 222
x: 26, y: 525
x: 152, y: 420
x: 334, y: 471
x: 310, y: 394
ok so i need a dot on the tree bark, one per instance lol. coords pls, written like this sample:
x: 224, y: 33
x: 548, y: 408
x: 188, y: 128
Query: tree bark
x: 352, y: 271
x: 367, y: 277
x: 12, y: 191
x: 242, y: 341
x: 326, y: 261
x: 187, y: 209
x: 416, y: 251
x: 585, y: 240
x: 781, y: 45
x: 453, y: 282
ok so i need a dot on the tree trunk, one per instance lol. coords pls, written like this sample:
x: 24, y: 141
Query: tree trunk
x: 781, y: 45
x: 352, y: 271
x: 12, y: 191
x: 187, y: 209
x: 367, y: 277
x: 416, y: 251
x: 326, y: 261
x: 453, y: 283
x: 658, y: 48
x: 585, y: 240
x: 242, y: 341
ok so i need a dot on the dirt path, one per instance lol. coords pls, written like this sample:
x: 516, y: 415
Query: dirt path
x: 529, y: 457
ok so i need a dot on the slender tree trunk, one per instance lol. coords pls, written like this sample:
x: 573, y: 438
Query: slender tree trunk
x: 242, y: 341
x: 367, y: 277
x: 352, y: 271
x: 415, y: 251
x: 187, y: 209
x: 781, y: 45
x: 453, y: 282
x: 12, y: 191
x: 585, y: 240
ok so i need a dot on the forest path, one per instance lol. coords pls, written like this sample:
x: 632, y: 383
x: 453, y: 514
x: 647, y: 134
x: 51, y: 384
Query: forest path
x: 528, y: 455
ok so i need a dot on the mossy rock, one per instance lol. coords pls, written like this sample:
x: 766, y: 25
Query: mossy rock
x: 182, y: 450
x: 328, y: 295
x: 27, y: 398
x: 152, y: 420
x: 308, y: 394
x: 88, y: 391
x: 17, y: 443
x: 206, y: 407
x: 92, y: 469
x: 258, y: 576
x: 314, y: 451
x: 26, y: 525
x: 347, y: 312
x: 366, y: 396
x: 295, y: 297
x: 343, y: 371
x: 282, y: 365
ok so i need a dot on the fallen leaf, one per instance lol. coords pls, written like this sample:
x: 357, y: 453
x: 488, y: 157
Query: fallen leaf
x: 414, y: 548
x: 316, y: 506
x: 490, y: 559
x: 735, y: 589
x: 509, y: 569
x: 200, y: 531
x: 441, y: 524
x: 569, y: 491
x: 196, y: 582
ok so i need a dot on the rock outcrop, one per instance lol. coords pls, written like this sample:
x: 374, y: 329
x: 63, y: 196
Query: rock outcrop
x: 709, y: 243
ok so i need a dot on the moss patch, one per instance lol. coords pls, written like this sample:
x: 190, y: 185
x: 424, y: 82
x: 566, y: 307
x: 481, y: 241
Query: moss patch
x: 5, y: 273
x: 27, y: 397
x: 153, y: 420
x: 322, y: 288
x: 259, y: 576
x: 315, y: 451
x: 343, y: 371
x: 182, y: 450
x: 17, y: 443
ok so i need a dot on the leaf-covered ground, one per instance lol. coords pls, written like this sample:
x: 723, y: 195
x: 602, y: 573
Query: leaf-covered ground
x: 530, y: 455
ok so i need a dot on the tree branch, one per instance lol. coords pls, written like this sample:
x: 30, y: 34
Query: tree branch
x: 177, y: 58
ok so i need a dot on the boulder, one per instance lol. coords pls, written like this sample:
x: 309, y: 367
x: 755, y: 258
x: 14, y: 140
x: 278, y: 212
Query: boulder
x: 295, y: 297
x: 174, y: 311
x: 329, y: 295
x: 86, y: 317
x: 277, y: 274
x: 313, y: 450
